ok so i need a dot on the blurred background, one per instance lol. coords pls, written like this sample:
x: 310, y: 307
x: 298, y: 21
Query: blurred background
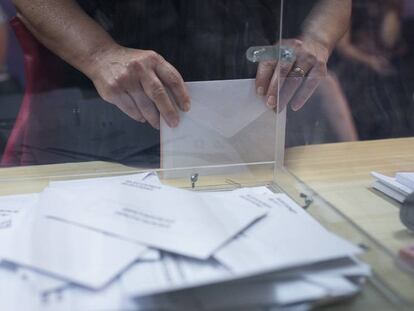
x: 368, y: 93
x: 11, y: 74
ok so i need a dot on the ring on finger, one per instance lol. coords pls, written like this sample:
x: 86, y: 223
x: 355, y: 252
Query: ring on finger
x: 297, y: 72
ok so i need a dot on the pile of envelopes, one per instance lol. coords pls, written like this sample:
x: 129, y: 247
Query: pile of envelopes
x: 398, y: 187
x: 131, y: 243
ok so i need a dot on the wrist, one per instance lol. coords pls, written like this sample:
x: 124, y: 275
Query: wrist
x: 323, y: 48
x: 97, y: 58
x: 316, y: 38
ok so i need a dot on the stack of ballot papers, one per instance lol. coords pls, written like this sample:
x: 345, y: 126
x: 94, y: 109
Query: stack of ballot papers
x: 132, y: 243
x: 398, y: 187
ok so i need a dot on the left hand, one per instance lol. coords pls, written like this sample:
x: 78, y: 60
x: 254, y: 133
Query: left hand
x: 297, y: 79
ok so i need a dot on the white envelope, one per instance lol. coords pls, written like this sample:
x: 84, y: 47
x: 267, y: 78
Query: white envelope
x: 13, y: 208
x: 287, y: 237
x: 42, y: 283
x: 228, y: 124
x: 15, y: 292
x: 171, y: 273
x: 77, y: 298
x: 66, y: 251
x: 158, y: 216
x: 99, y: 181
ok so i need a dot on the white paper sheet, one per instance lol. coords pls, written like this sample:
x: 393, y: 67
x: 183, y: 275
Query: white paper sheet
x: 98, y: 258
x: 13, y: 208
x: 110, y: 298
x: 406, y: 179
x: 388, y: 191
x: 15, y: 292
x: 150, y: 255
x: 176, y: 272
x: 228, y: 124
x: 282, y: 290
x: 333, y: 284
x: 162, y: 217
x: 170, y: 273
x: 392, y: 183
x: 247, y: 294
x: 99, y: 181
x: 288, y: 236
x: 67, y: 251
x: 41, y: 282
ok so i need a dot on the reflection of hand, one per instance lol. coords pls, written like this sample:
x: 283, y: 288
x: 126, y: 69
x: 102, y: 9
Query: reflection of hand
x: 381, y: 65
x: 142, y: 84
x: 296, y: 79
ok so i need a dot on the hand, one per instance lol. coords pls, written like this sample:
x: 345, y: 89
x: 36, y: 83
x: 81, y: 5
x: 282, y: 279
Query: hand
x: 296, y: 79
x: 140, y: 83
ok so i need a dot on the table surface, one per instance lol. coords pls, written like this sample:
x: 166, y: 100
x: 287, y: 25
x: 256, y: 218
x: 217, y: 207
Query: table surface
x: 340, y: 173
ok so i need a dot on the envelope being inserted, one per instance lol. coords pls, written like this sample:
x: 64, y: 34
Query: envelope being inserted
x: 228, y: 124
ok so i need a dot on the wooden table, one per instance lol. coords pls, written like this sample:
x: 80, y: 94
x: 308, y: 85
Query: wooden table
x: 339, y: 173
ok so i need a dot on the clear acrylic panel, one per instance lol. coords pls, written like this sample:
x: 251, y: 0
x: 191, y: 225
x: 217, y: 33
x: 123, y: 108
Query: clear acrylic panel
x: 60, y: 123
x: 358, y: 120
x: 125, y: 112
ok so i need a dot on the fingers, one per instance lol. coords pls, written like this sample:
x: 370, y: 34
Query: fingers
x: 115, y: 94
x: 156, y: 91
x: 307, y: 88
x: 294, y: 79
x: 126, y: 104
x: 147, y: 108
x: 277, y: 82
x: 175, y: 83
x: 264, y: 75
x: 143, y: 85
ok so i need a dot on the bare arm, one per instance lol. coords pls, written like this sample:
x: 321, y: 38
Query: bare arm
x: 328, y: 22
x: 63, y: 27
x: 136, y: 81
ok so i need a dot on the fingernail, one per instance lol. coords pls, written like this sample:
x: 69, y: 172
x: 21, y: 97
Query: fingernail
x: 296, y: 107
x: 260, y: 91
x: 187, y: 106
x: 271, y: 102
x: 174, y: 122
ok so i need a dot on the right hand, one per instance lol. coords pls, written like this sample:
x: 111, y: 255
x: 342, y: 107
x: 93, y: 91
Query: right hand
x: 141, y: 83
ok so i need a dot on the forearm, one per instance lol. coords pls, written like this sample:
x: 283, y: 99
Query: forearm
x: 327, y: 22
x: 64, y: 28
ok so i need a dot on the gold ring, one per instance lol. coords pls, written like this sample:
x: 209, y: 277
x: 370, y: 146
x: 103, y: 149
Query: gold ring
x: 297, y: 72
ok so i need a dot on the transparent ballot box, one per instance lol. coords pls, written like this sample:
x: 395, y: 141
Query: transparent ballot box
x: 232, y: 121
